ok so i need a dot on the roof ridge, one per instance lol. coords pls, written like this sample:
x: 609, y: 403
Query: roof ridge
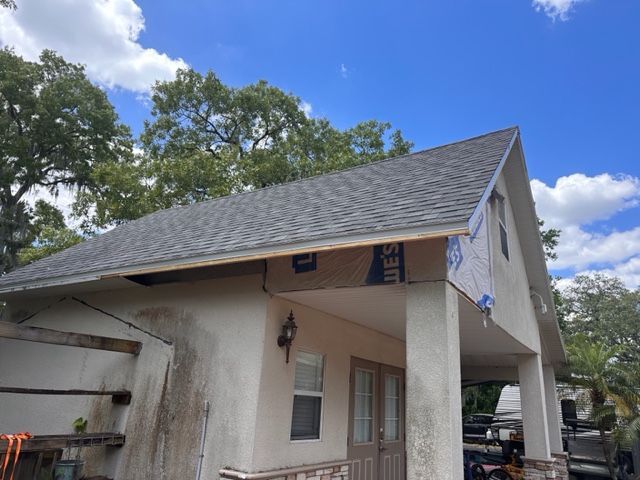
x: 334, y: 172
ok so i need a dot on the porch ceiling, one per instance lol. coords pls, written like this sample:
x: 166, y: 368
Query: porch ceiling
x: 380, y: 307
x: 383, y: 308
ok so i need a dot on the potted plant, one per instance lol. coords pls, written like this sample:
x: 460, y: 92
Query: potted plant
x: 72, y: 469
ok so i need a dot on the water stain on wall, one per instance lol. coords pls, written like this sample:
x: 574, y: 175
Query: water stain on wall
x: 164, y: 431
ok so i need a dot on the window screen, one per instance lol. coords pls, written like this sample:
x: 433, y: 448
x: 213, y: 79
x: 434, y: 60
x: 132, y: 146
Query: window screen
x: 307, y: 396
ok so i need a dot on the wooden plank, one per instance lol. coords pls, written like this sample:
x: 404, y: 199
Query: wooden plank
x: 54, y: 442
x: 56, y: 337
x: 117, y: 396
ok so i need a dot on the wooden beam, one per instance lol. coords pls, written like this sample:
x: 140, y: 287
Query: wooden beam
x: 54, y: 442
x: 117, y: 396
x: 56, y: 337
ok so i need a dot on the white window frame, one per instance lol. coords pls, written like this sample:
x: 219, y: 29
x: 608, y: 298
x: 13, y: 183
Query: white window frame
x: 310, y: 394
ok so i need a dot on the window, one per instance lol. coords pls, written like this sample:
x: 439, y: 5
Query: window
x: 363, y: 409
x: 307, y: 396
x: 502, y: 220
x: 391, y: 407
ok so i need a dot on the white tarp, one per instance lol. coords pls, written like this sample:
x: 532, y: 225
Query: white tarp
x: 341, y: 268
x: 469, y: 263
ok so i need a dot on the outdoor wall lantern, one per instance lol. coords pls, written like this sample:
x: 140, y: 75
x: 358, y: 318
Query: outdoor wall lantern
x: 289, y: 329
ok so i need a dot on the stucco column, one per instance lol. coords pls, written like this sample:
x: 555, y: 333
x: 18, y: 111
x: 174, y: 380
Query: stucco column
x: 553, y: 423
x: 433, y: 404
x: 534, y: 407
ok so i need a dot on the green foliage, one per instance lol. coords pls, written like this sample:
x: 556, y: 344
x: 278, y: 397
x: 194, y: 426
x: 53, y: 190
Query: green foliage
x: 550, y: 239
x: 603, y: 309
x: 594, y: 366
x: 79, y: 425
x: 46, y: 215
x: 612, y: 385
x: 481, y: 398
x: 47, y: 235
x: 208, y: 139
x: 56, y: 127
x: 49, y: 241
x: 10, y: 4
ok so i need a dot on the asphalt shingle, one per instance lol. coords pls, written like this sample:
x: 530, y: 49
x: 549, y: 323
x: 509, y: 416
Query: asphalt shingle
x: 431, y: 187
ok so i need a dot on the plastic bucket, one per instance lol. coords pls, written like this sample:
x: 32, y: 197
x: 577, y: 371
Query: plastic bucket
x: 68, y: 470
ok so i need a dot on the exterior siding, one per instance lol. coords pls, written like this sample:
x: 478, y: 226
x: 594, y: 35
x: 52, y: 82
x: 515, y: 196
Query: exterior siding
x: 338, y: 340
x: 217, y: 331
x: 513, y: 310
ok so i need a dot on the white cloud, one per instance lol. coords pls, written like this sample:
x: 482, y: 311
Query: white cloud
x: 344, y: 71
x: 573, y: 204
x: 555, y: 9
x: 628, y: 272
x: 579, y: 200
x: 102, y: 34
x: 307, y: 108
x: 579, y: 249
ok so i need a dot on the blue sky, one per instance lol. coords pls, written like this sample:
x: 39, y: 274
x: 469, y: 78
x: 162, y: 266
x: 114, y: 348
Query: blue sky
x: 566, y: 71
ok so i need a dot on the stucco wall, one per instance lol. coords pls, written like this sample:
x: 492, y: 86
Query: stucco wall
x: 514, y: 310
x: 338, y: 340
x: 216, y: 329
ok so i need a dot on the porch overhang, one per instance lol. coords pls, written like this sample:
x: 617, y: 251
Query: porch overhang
x: 118, y: 277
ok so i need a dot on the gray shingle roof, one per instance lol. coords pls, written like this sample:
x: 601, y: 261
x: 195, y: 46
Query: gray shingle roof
x: 438, y: 186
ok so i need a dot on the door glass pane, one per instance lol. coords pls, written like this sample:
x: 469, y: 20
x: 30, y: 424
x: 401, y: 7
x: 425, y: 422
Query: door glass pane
x: 391, y: 407
x: 363, y: 407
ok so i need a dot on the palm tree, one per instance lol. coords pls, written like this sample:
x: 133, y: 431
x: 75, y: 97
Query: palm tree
x: 627, y: 411
x: 594, y: 367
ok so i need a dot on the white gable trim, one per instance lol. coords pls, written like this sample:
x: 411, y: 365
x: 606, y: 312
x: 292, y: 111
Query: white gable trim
x: 494, y: 178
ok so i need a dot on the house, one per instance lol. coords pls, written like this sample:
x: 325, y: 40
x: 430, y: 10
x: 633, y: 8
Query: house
x: 404, y: 278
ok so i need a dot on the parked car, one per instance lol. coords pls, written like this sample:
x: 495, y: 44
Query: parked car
x: 477, y: 426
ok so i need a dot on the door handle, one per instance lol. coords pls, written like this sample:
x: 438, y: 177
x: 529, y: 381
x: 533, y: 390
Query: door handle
x: 381, y: 447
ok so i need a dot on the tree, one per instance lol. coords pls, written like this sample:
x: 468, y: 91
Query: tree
x: 627, y: 413
x: 481, y: 398
x: 208, y: 139
x: 48, y: 234
x: 603, y: 309
x: 56, y: 127
x: 10, y: 4
x: 594, y: 366
x: 550, y: 238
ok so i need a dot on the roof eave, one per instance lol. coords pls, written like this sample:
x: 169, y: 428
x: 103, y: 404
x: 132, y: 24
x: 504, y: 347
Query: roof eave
x: 323, y: 244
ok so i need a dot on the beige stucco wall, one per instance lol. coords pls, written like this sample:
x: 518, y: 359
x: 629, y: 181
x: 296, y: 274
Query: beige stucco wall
x: 338, y: 340
x: 514, y: 310
x: 217, y: 330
